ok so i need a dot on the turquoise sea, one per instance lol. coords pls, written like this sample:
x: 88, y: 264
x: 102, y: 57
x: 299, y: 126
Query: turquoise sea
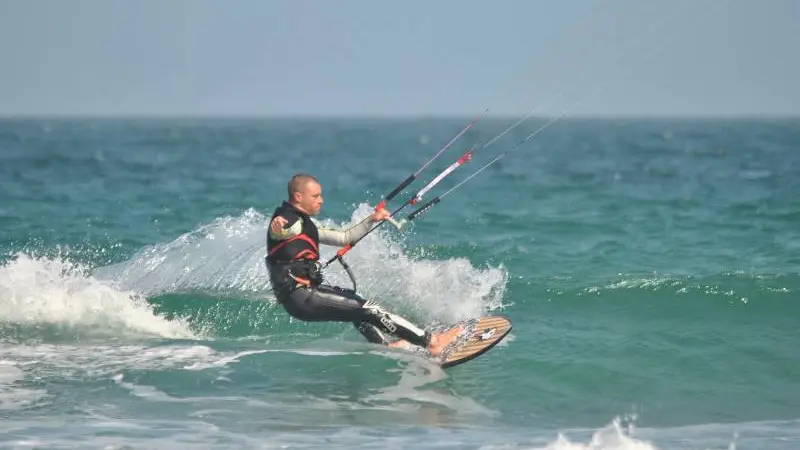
x: 651, y: 268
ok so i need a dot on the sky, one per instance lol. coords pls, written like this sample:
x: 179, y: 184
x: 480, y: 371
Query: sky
x: 410, y: 58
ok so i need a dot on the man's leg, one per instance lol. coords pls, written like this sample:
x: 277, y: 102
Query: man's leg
x: 327, y: 303
x: 395, y: 325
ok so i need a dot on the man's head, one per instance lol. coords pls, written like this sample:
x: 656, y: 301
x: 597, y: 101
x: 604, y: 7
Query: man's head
x: 305, y: 193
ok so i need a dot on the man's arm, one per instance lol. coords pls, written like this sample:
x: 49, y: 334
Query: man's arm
x: 340, y: 238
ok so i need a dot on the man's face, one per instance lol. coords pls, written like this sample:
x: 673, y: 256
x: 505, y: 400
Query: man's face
x: 309, y: 198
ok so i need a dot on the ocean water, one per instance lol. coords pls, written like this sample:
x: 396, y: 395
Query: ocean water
x: 651, y: 269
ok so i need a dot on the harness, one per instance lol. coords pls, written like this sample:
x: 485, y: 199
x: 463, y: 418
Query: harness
x: 294, y: 262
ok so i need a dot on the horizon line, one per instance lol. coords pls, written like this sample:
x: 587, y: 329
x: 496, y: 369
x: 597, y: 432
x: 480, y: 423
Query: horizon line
x: 367, y: 117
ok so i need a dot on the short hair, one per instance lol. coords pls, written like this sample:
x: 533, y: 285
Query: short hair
x: 298, y: 181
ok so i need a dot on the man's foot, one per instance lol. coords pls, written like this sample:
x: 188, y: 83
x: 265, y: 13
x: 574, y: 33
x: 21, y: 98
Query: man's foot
x: 400, y: 343
x: 440, y: 340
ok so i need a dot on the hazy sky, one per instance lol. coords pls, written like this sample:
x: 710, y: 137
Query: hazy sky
x: 373, y: 57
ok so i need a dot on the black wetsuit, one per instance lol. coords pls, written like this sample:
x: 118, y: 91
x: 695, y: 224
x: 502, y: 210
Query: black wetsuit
x: 293, y: 264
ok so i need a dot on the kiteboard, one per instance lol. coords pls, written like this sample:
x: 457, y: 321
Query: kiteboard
x: 479, y: 336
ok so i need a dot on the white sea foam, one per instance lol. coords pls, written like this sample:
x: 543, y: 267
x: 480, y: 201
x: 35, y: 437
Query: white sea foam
x: 39, y: 291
